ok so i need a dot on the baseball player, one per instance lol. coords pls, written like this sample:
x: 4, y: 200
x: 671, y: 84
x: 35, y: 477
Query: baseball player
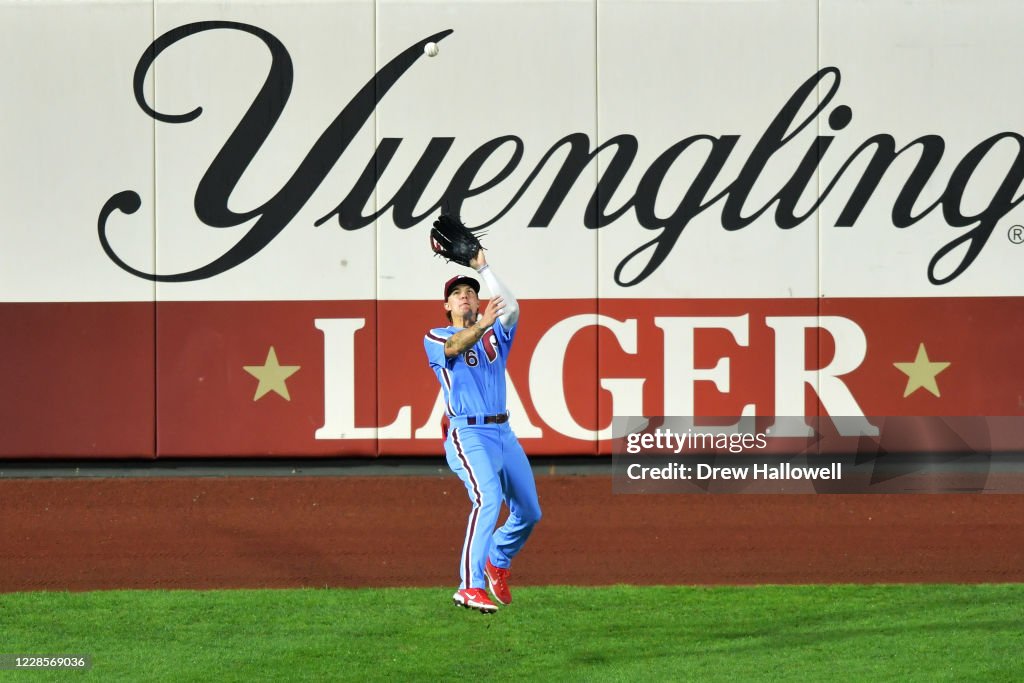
x: 469, y: 358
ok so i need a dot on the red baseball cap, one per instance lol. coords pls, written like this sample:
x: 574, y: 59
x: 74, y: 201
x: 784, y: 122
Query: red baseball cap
x: 460, y: 280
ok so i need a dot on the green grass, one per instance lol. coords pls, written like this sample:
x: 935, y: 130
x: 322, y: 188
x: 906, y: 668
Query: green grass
x: 622, y: 633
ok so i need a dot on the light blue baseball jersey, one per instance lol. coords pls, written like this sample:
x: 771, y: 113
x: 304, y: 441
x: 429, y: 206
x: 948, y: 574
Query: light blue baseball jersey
x: 473, y: 381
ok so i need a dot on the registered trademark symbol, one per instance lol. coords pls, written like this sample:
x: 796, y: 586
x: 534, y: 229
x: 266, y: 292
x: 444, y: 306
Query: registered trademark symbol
x: 1016, y: 234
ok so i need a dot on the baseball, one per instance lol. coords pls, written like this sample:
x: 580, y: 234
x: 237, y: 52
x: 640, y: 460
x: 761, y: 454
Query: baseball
x: 431, y: 49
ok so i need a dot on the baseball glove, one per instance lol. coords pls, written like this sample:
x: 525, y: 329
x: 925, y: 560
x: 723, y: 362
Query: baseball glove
x: 453, y: 241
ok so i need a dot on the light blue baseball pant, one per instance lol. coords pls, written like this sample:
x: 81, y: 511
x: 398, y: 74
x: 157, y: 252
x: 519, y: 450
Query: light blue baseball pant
x: 491, y: 463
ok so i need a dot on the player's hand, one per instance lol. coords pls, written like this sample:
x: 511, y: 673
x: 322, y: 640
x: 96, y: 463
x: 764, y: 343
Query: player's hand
x: 495, y: 307
x: 478, y: 261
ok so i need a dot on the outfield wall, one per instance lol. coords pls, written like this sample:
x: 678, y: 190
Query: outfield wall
x: 705, y: 208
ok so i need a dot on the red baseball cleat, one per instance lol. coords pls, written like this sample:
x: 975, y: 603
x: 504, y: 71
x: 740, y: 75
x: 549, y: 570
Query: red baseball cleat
x: 474, y: 598
x: 497, y: 581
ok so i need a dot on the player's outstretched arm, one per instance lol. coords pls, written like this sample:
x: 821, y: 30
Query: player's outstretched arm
x: 498, y: 288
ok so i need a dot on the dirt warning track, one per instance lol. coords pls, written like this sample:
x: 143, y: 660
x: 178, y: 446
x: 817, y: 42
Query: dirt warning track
x: 85, y: 534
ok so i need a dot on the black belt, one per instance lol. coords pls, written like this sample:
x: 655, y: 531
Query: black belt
x: 488, y: 419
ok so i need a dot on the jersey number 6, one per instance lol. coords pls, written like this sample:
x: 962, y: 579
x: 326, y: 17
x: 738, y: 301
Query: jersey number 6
x: 490, y: 348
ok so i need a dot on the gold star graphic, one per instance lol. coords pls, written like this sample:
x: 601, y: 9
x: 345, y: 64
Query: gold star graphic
x: 272, y: 376
x: 921, y: 373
